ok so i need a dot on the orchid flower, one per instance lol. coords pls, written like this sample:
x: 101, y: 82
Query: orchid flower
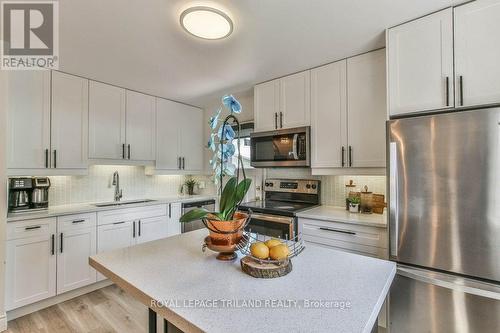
x: 231, y: 103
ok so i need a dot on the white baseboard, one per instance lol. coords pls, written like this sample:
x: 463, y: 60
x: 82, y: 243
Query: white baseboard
x: 22, y: 311
x: 3, y: 322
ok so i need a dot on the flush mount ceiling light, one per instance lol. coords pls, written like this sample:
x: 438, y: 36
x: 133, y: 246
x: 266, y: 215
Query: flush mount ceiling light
x: 206, y: 22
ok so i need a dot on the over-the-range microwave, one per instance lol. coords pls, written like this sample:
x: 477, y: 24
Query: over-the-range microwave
x: 281, y: 148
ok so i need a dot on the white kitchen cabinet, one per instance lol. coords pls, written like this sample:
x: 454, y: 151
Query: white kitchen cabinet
x: 266, y: 105
x: 77, y: 241
x: 69, y: 122
x: 191, y: 132
x: 329, y: 115
x: 366, y: 110
x: 30, y: 262
x: 114, y: 236
x: 107, y: 121
x: 140, y: 126
x: 283, y: 103
x: 174, y: 215
x: 295, y: 100
x: 150, y: 229
x: 420, y: 63
x: 28, y: 119
x: 179, y: 138
x: 477, y: 51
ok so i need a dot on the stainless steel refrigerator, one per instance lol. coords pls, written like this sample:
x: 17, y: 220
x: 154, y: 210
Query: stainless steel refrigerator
x: 444, y: 225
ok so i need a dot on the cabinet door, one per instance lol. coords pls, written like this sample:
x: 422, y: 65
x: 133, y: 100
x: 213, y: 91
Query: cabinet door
x: 477, y: 52
x: 167, y: 134
x: 174, y: 215
x: 75, y: 248
x: 295, y: 99
x: 266, y: 105
x: 151, y: 229
x: 420, y: 61
x: 28, y: 119
x: 70, y: 121
x: 31, y: 265
x: 114, y: 236
x: 140, y: 129
x: 366, y: 110
x: 191, y: 129
x: 106, y: 121
x: 329, y: 115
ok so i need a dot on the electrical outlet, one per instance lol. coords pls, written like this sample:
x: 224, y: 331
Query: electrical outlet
x: 201, y: 185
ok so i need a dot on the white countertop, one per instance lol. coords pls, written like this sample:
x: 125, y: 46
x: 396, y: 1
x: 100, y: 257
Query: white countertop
x: 175, y: 270
x: 339, y: 214
x: 90, y: 207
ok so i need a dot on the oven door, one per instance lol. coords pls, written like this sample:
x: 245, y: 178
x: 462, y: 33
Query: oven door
x: 285, y: 148
x: 272, y: 225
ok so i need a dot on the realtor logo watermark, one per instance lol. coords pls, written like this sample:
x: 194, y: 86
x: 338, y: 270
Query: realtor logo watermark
x: 30, y: 35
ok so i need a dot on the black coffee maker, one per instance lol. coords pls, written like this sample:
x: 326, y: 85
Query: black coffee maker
x: 28, y: 193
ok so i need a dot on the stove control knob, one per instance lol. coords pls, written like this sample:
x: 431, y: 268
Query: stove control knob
x: 314, y: 187
x: 271, y: 184
x: 267, y: 184
x: 308, y: 186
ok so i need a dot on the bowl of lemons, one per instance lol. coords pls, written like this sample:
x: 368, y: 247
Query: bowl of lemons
x: 267, y: 257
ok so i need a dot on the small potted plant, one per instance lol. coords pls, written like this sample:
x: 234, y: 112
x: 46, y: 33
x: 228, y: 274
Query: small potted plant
x: 354, y: 204
x: 190, y: 183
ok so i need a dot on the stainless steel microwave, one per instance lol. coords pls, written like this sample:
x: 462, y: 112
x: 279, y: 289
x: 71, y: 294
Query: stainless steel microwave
x: 281, y: 148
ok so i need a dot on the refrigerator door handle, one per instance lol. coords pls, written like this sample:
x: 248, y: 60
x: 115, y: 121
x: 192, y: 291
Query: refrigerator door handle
x: 393, y: 194
x: 451, y: 282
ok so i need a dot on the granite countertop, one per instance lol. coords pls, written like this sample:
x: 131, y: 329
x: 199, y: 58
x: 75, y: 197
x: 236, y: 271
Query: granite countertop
x: 90, y: 207
x: 339, y: 214
x: 327, y: 291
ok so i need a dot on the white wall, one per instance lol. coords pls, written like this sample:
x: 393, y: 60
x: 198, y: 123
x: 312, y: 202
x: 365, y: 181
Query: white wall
x: 3, y: 193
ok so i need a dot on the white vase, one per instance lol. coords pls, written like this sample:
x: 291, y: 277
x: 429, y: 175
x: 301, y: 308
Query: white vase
x: 354, y: 208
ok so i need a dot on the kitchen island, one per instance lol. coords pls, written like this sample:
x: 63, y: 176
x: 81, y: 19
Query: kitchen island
x: 327, y: 291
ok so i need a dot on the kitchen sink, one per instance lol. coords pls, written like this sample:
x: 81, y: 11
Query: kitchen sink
x: 122, y: 203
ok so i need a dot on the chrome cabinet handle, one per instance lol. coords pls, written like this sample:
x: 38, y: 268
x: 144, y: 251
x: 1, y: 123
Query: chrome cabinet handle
x: 447, y: 91
x: 281, y: 119
x: 337, y: 230
x: 129, y: 151
x: 46, y: 158
x: 343, y: 154
x: 461, y: 90
x: 55, y: 158
x: 33, y: 227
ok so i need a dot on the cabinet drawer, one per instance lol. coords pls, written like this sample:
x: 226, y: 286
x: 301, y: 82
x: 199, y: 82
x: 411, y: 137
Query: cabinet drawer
x: 354, y: 238
x: 130, y: 214
x: 75, y: 222
x: 31, y: 228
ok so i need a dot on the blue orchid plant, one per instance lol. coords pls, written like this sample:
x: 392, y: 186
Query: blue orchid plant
x: 221, y: 139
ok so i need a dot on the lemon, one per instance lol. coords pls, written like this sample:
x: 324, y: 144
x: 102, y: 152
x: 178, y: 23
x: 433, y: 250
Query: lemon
x: 259, y: 250
x: 279, y: 252
x: 272, y: 242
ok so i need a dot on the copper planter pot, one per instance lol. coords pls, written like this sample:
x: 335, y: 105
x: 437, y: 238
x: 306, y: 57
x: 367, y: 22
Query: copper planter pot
x: 225, y: 235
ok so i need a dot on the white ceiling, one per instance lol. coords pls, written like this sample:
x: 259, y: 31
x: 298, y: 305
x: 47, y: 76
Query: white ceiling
x: 139, y: 44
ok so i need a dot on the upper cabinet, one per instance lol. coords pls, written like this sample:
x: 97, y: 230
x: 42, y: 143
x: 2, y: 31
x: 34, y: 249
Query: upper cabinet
x: 477, y: 51
x: 140, y: 126
x: 283, y: 103
x: 106, y: 122
x: 45, y: 137
x: 28, y: 120
x: 70, y: 124
x: 420, y: 64
x: 422, y: 53
x: 348, y: 113
x: 329, y: 115
x: 179, y: 138
x: 366, y: 110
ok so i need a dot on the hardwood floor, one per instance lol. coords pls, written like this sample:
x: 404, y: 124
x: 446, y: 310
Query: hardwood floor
x: 105, y: 310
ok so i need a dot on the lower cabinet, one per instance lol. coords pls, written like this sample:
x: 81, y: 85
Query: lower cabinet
x: 151, y: 229
x: 174, y: 215
x: 76, y: 243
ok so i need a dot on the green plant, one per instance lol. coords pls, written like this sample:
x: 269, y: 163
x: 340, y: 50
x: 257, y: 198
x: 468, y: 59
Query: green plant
x: 231, y: 197
x: 190, y: 182
x: 355, y: 200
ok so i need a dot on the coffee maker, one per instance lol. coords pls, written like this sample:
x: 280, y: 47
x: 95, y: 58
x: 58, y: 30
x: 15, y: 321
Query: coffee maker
x: 28, y: 194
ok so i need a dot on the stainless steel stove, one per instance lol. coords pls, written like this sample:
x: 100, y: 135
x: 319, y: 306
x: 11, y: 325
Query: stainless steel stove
x: 276, y: 215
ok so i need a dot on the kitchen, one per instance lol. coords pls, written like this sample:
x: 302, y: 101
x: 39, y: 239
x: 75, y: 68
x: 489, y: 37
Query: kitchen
x: 373, y: 157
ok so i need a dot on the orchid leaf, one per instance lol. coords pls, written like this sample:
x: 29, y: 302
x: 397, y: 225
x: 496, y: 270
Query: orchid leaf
x: 227, y: 194
x: 193, y: 215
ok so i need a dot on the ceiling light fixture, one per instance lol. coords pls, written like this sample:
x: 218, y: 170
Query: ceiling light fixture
x: 206, y: 22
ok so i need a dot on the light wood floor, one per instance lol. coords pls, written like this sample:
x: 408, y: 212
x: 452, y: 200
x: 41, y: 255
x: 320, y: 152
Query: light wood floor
x: 105, y: 310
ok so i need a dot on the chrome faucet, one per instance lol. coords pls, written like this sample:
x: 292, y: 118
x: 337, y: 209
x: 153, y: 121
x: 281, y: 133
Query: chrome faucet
x: 116, y: 184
